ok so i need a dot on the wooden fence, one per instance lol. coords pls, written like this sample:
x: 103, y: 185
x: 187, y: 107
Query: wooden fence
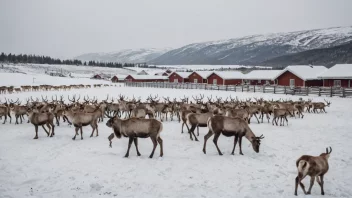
x: 302, y: 91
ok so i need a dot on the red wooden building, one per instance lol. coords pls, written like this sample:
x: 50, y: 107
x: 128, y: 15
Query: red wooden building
x: 97, y: 76
x: 146, y: 78
x: 301, y: 76
x: 179, y: 77
x: 225, y: 78
x: 339, y: 75
x: 118, y: 78
x: 261, y: 77
x: 199, y: 76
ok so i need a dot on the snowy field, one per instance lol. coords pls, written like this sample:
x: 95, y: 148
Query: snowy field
x: 61, y: 167
x: 80, y: 71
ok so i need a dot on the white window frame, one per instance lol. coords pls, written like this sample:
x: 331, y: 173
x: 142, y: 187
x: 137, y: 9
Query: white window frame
x: 349, y: 83
x: 176, y: 80
x: 215, y: 81
x: 195, y: 80
x: 259, y: 81
x: 337, y: 83
x: 267, y: 82
x: 292, y: 82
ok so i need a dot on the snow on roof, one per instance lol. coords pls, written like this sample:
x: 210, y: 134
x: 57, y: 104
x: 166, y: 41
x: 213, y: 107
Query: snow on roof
x: 339, y: 71
x: 204, y: 74
x: 120, y: 76
x: 148, y: 77
x: 305, y: 72
x: 262, y: 75
x: 182, y: 74
x: 229, y: 74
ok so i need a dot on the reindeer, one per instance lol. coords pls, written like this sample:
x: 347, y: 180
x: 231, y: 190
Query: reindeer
x: 197, y: 120
x: 321, y: 106
x: 135, y: 128
x: 81, y: 119
x: 5, y: 111
x: 281, y: 114
x: 18, y: 110
x: 231, y: 127
x: 40, y: 119
x: 315, y: 167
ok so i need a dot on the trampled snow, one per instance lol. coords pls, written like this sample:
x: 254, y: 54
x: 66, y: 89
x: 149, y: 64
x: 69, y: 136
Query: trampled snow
x: 61, y: 167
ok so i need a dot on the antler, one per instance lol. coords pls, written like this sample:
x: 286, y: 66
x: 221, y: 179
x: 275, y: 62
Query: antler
x: 327, y: 151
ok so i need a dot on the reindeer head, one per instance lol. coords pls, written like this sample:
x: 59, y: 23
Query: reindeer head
x: 328, y: 103
x: 327, y: 153
x: 256, y: 143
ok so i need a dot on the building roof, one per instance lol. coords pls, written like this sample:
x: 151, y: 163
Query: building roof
x: 203, y: 74
x: 182, y: 74
x: 120, y: 76
x: 339, y: 71
x: 262, y: 75
x: 148, y: 77
x: 305, y: 72
x: 228, y: 74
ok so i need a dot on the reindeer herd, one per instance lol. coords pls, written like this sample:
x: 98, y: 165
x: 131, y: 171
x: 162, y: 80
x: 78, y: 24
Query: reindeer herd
x: 26, y: 88
x: 134, y: 118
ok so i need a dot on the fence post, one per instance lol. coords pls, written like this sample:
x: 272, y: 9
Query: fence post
x: 226, y: 87
x: 254, y: 89
x: 274, y: 89
x: 285, y: 90
x: 343, y: 92
x: 330, y: 91
x: 263, y: 88
x: 319, y: 94
x: 242, y: 88
x: 307, y: 91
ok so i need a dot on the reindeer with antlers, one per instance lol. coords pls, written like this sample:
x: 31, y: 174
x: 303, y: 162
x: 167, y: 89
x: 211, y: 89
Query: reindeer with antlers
x: 321, y: 106
x: 5, y: 111
x: 231, y: 127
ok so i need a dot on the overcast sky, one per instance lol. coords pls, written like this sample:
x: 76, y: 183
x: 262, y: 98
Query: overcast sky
x: 66, y: 28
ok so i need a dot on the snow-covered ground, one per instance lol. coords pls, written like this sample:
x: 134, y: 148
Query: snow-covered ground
x: 76, y: 71
x: 61, y: 167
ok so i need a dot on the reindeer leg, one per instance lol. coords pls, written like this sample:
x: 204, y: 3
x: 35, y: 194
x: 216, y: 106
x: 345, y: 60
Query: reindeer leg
x: 36, y: 132
x: 160, y: 141
x: 154, y: 146
x: 255, y: 115
x: 182, y: 127
x: 286, y: 120
x: 135, y: 140
x: 206, y: 137
x: 96, y: 128
x: 268, y: 117
x: 129, y: 146
x: 93, y: 127
x: 197, y: 130
x: 312, y: 179
x: 52, y: 128
x: 5, y: 119
x: 190, y: 132
x: 46, y: 131
x: 215, y: 140
x: 240, y: 142
x: 8, y: 114
x: 81, y: 132
x: 76, y: 132
x: 234, y: 144
x: 322, y: 184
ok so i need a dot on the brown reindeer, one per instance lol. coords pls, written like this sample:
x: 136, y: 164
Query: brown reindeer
x: 231, y: 127
x: 315, y: 167
x: 134, y: 128
x: 40, y: 119
x: 321, y: 106
x: 197, y: 120
x: 81, y: 119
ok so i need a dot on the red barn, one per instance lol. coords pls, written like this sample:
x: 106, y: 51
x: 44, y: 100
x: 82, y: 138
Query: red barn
x: 145, y: 78
x: 97, y: 76
x: 225, y: 78
x: 118, y: 78
x: 261, y: 77
x: 199, y: 76
x: 301, y: 76
x: 339, y: 75
x: 179, y: 77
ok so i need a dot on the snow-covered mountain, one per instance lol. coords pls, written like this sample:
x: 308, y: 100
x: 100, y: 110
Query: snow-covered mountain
x: 252, y: 50
x: 125, y: 56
